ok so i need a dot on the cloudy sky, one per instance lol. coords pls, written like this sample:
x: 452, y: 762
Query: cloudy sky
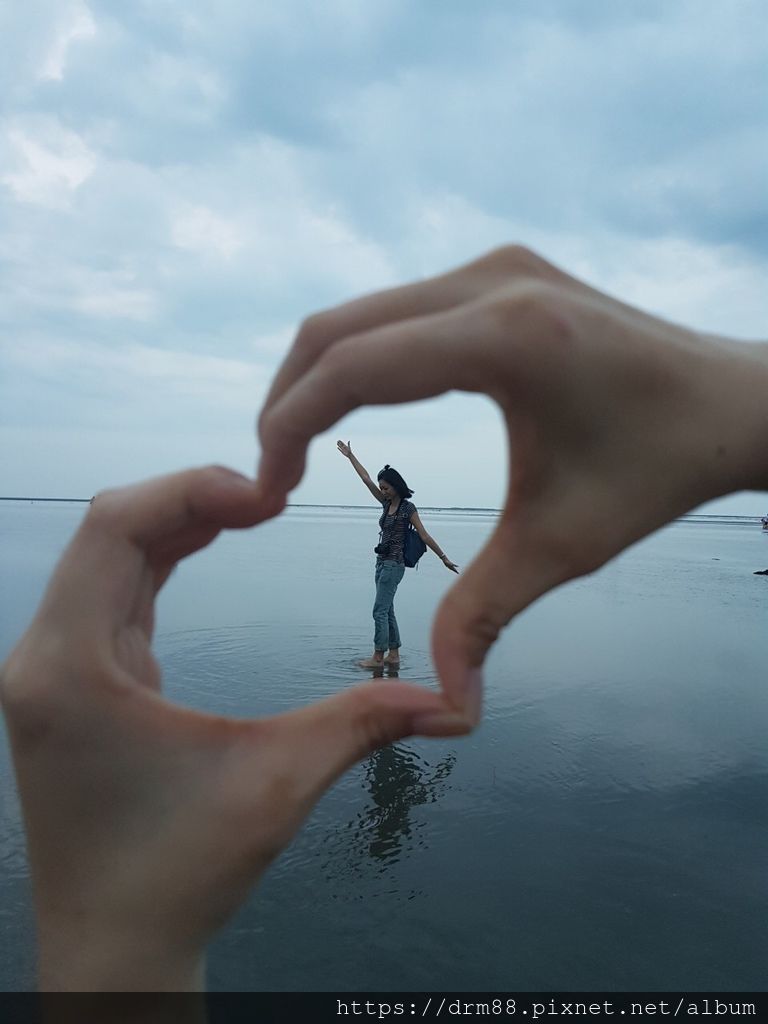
x: 181, y: 182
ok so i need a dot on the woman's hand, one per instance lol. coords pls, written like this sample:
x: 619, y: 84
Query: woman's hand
x: 345, y: 449
x: 148, y: 823
x: 618, y: 422
x: 449, y: 564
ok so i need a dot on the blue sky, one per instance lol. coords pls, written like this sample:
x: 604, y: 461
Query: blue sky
x: 181, y: 183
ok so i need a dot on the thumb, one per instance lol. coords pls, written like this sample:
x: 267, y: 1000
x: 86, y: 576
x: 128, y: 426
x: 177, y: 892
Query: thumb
x: 324, y: 739
x: 511, y: 571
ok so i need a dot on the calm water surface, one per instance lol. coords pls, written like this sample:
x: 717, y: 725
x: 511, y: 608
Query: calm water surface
x: 605, y: 827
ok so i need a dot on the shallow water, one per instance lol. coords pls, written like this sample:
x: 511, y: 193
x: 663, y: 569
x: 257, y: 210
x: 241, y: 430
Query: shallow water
x: 604, y: 828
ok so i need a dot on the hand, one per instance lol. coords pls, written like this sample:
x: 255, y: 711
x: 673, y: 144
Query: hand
x: 449, y: 564
x: 147, y: 823
x: 617, y: 421
x: 345, y: 449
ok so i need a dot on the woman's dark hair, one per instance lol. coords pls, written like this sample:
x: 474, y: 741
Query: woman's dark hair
x: 395, y: 480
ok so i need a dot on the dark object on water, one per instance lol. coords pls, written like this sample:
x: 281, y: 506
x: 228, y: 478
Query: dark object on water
x: 761, y: 572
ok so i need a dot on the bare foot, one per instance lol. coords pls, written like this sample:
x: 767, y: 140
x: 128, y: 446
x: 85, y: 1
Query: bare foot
x: 371, y: 663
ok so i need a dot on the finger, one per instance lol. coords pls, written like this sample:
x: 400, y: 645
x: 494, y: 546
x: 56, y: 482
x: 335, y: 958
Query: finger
x: 392, y: 305
x: 500, y: 267
x: 442, y: 352
x: 135, y: 534
x: 151, y: 511
x: 321, y: 741
x: 516, y: 566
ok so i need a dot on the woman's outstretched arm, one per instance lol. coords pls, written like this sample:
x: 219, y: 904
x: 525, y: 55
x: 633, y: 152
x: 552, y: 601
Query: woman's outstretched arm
x: 432, y: 543
x: 362, y: 472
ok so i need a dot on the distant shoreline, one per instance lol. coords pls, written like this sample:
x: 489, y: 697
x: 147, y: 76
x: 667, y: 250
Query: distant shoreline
x: 690, y: 516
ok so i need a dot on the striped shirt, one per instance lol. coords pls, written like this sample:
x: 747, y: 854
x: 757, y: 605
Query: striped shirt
x: 393, y: 528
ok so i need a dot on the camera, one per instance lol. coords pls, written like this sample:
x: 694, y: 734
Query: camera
x: 382, y: 550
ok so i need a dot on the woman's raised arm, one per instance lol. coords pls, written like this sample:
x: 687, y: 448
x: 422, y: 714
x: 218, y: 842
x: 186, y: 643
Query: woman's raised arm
x: 362, y: 472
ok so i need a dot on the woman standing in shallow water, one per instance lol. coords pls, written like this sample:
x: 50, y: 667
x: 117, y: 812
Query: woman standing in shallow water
x: 397, y: 512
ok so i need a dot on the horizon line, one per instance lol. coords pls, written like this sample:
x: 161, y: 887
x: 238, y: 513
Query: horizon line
x: 448, y: 508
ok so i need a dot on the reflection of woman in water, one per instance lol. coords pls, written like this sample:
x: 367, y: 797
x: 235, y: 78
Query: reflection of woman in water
x: 388, y: 827
x: 398, y: 783
x: 392, y: 493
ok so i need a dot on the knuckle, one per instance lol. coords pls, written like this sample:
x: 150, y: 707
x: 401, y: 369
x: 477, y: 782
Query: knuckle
x: 10, y: 687
x: 28, y: 687
x: 514, y: 258
x: 375, y: 723
x: 280, y: 433
x: 263, y: 423
x: 478, y: 620
x: 571, y: 552
x: 265, y: 427
x: 276, y: 429
x: 337, y: 365
x: 535, y: 305
x: 104, y: 507
x: 483, y: 627
x: 524, y: 296
x: 211, y: 475
x: 312, y: 334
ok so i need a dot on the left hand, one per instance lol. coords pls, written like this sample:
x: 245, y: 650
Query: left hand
x: 147, y: 823
x: 449, y: 564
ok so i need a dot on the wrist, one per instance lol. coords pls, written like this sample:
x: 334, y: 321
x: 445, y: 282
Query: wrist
x: 737, y: 434
x: 76, y: 961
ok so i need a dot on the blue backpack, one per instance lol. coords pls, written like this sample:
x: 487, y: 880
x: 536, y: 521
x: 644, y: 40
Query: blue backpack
x: 413, y: 546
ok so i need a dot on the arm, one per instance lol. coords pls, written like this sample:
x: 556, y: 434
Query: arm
x: 432, y: 543
x: 362, y: 472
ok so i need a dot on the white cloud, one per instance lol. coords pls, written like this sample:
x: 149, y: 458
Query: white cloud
x: 105, y: 294
x: 198, y: 229
x: 80, y: 25
x: 52, y: 162
x: 193, y: 91
x: 709, y: 287
x: 132, y: 368
x: 210, y: 178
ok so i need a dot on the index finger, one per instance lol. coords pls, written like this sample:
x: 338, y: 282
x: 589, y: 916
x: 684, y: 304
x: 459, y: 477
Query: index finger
x: 134, y: 535
x: 443, y: 353
x: 437, y: 294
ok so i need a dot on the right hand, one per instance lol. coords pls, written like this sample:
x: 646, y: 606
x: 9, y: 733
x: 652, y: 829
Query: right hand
x: 617, y: 421
x: 345, y: 449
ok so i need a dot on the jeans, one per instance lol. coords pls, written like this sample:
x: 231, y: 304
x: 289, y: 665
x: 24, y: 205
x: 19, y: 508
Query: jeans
x: 386, y: 634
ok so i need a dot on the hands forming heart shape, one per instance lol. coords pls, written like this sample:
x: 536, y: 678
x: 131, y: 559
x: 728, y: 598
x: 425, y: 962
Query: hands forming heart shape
x: 148, y: 823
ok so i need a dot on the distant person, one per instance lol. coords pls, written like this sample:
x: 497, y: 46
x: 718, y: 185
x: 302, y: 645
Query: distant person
x: 392, y: 492
x: 148, y: 823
